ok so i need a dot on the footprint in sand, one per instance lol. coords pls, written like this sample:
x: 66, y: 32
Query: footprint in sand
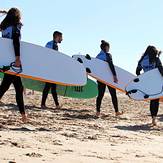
x: 33, y: 154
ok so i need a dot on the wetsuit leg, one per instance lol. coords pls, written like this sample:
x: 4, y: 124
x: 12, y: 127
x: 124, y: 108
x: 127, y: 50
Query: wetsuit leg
x: 113, y: 97
x: 45, y: 93
x: 19, y: 93
x: 5, y: 84
x: 101, y: 91
x: 154, y: 105
x: 54, y: 94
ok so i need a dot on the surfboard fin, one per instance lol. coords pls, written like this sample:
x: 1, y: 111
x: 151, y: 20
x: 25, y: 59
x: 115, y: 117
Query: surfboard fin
x: 88, y: 70
x: 136, y: 80
x: 80, y: 60
x: 146, y: 96
x: 132, y: 91
x: 88, y: 57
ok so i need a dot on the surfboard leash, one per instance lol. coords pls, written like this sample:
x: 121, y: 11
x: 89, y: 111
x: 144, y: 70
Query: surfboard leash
x: 145, y: 94
x: 4, y: 68
x: 17, y: 70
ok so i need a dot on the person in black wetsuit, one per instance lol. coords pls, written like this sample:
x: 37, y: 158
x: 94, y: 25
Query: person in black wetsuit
x: 57, y: 38
x: 106, y: 56
x: 11, y: 29
x: 149, y: 61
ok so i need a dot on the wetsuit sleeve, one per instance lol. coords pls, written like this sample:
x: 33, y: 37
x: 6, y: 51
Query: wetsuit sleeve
x: 138, y: 69
x: 111, y: 65
x: 47, y: 45
x: 16, y: 40
x: 55, y: 46
x: 159, y: 66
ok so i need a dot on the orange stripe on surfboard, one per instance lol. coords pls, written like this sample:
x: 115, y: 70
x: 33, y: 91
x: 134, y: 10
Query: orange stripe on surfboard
x: 108, y: 83
x: 40, y: 79
x: 146, y: 100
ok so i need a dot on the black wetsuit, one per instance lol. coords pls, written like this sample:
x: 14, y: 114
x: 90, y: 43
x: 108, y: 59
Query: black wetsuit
x: 102, y: 87
x: 49, y: 86
x: 154, y: 104
x: 13, y: 32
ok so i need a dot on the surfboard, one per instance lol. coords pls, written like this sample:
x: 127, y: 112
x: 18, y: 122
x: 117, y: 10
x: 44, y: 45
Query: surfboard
x: 81, y: 92
x: 100, y: 70
x: 146, y: 86
x: 43, y: 64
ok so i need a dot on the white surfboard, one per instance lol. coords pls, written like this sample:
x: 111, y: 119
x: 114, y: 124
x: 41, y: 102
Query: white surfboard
x: 146, y: 86
x: 100, y: 70
x: 44, y: 64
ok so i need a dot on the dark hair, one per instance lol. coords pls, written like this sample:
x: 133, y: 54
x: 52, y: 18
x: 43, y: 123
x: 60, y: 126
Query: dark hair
x: 57, y: 33
x: 12, y: 18
x: 104, y: 44
x: 152, y: 52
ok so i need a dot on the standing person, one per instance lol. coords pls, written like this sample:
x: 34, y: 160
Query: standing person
x: 149, y: 61
x: 11, y: 28
x: 106, y: 56
x: 57, y: 38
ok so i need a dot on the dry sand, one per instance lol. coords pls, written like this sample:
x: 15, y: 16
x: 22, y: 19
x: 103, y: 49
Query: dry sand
x: 74, y: 135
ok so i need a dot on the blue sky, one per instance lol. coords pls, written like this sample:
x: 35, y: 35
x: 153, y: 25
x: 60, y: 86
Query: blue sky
x: 129, y: 25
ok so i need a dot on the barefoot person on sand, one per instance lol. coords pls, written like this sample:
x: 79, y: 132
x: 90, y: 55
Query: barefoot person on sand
x: 149, y: 61
x: 11, y: 28
x: 57, y: 38
x: 106, y: 56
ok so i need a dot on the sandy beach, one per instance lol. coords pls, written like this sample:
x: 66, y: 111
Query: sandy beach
x: 74, y: 135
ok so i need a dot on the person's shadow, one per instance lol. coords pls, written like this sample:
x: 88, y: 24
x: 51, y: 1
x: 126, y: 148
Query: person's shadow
x: 64, y: 114
x: 143, y: 127
x: 11, y: 107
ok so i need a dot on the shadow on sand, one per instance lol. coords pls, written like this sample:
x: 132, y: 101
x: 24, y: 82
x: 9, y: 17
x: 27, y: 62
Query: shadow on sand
x: 144, y: 127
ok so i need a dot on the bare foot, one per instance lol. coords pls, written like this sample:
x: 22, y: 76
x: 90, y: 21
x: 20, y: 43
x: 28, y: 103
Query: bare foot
x: 59, y: 106
x: 43, y: 107
x: 119, y: 113
x: 24, y: 118
x: 154, y: 123
x: 97, y: 114
x: 1, y: 103
x: 33, y: 92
